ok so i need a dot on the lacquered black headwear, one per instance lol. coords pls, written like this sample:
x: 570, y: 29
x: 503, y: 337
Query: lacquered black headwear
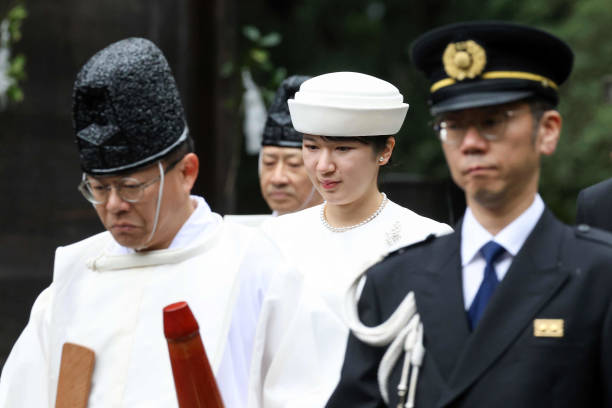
x: 126, y: 108
x: 477, y: 64
x: 279, y: 130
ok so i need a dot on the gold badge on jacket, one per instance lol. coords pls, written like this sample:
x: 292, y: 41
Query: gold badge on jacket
x: 548, y: 327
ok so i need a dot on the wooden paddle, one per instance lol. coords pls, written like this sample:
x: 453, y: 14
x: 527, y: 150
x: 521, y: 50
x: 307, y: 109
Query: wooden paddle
x: 74, y: 383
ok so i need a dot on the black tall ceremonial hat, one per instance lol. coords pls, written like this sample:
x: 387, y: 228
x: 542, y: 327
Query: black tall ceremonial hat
x: 126, y: 108
x: 475, y: 64
x: 279, y: 130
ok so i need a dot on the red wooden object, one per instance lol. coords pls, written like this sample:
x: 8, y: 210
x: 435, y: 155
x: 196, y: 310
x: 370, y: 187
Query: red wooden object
x: 193, y: 378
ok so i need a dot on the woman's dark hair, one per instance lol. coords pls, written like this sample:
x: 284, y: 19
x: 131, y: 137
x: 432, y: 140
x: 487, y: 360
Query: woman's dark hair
x: 378, y: 142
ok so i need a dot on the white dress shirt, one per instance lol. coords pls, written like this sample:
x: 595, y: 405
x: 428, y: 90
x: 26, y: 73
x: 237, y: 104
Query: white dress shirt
x: 512, y: 238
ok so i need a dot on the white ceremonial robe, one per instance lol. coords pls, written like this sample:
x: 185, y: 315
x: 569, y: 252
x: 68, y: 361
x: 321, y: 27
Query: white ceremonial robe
x: 110, y: 299
x: 250, y: 220
x: 298, y: 363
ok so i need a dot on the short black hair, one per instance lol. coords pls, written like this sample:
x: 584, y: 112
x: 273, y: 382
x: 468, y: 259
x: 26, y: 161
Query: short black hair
x: 181, y: 150
x: 538, y: 106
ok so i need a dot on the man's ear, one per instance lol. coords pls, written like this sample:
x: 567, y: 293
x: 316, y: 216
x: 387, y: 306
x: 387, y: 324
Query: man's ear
x: 549, y: 131
x: 189, y: 168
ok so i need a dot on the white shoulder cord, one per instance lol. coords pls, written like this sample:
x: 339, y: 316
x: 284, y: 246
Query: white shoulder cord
x: 403, y: 329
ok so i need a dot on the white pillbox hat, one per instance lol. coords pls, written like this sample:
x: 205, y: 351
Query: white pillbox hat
x: 347, y: 104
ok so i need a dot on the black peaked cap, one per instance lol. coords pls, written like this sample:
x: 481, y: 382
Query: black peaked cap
x: 519, y: 62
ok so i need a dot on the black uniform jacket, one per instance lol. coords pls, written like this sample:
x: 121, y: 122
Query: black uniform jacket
x: 560, y: 272
x: 595, y: 205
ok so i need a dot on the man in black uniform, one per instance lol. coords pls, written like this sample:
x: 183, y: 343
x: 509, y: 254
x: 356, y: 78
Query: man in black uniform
x: 515, y: 306
x: 595, y: 205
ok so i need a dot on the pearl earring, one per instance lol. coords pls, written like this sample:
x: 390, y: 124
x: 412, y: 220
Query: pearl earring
x: 380, y: 159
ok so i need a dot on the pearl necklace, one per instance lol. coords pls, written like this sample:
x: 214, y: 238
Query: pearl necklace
x: 343, y: 229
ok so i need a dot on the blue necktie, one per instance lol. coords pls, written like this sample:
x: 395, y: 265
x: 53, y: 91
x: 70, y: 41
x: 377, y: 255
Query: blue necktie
x: 491, y: 251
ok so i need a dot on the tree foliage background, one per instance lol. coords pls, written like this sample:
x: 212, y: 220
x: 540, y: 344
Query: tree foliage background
x: 374, y: 37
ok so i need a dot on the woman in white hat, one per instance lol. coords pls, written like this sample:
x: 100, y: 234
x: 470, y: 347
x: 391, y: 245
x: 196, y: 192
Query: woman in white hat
x: 348, y: 120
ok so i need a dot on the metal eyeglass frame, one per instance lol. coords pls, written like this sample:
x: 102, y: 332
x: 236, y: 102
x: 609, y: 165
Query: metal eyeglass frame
x: 484, y: 129
x: 85, y: 188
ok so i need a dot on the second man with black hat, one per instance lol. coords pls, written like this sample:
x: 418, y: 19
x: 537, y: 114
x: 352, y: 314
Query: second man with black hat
x: 282, y: 176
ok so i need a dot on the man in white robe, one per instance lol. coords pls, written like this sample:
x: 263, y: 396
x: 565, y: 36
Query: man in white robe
x: 282, y: 176
x: 162, y: 245
x: 283, y: 180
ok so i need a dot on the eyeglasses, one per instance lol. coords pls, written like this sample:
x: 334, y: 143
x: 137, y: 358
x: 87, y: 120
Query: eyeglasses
x: 490, y: 126
x: 128, y: 188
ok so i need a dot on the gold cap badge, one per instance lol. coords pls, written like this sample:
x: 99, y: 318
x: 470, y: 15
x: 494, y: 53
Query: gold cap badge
x: 465, y: 59
x: 548, y: 327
